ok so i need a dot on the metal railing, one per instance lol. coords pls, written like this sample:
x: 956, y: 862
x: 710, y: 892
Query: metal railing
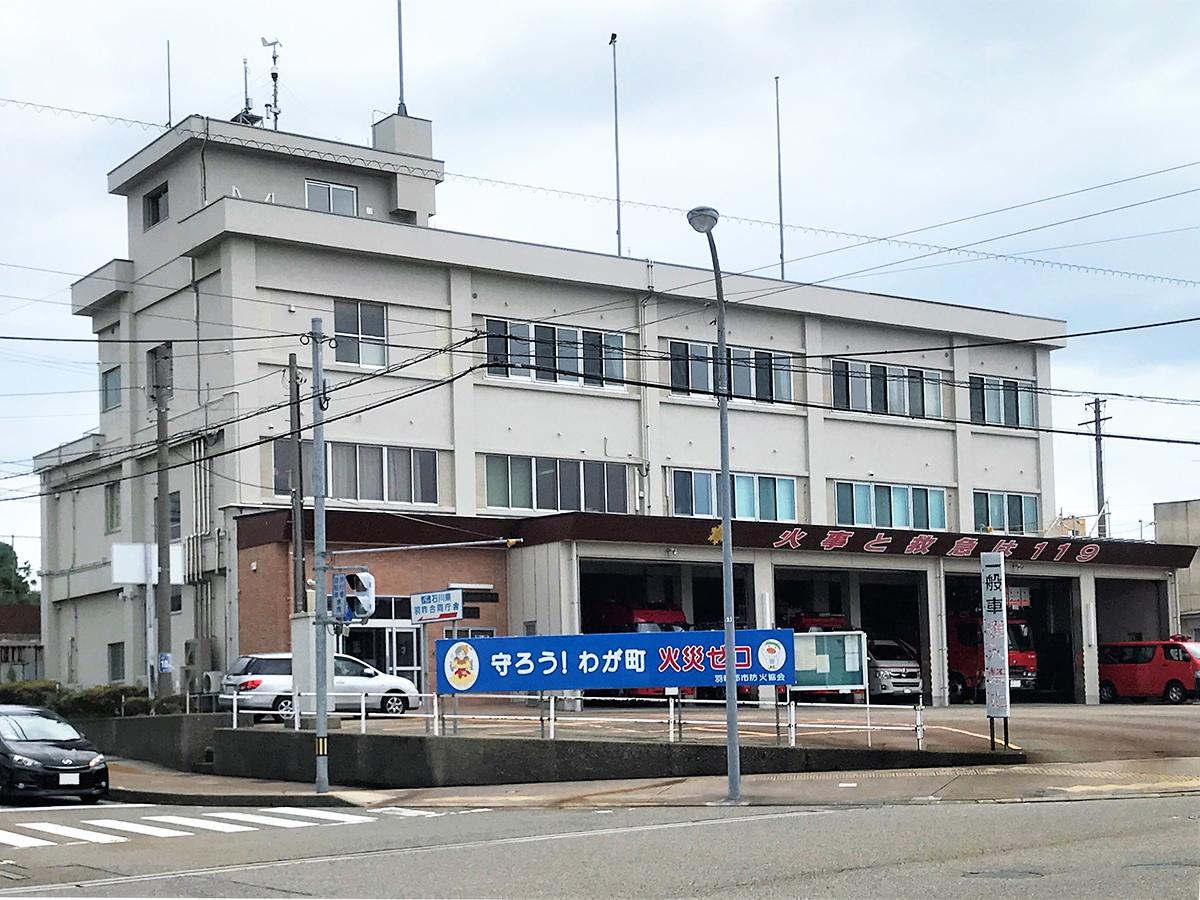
x: 554, y: 713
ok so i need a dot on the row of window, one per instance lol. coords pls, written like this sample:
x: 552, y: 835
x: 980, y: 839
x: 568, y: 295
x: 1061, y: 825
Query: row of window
x: 1002, y: 401
x: 897, y: 390
x: 363, y: 472
x: 550, y: 353
x: 527, y: 482
x: 1013, y: 513
x: 765, y: 498
x: 890, y: 505
x: 749, y: 374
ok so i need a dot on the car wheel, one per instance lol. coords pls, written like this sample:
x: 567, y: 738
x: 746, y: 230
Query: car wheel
x: 958, y: 688
x: 1108, y: 692
x: 285, y: 710
x: 1175, y: 693
x: 394, y: 704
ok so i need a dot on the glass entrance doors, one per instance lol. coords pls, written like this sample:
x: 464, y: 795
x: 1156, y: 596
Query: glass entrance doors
x: 390, y: 647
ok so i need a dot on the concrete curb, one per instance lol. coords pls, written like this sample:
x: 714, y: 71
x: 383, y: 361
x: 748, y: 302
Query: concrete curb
x: 166, y: 798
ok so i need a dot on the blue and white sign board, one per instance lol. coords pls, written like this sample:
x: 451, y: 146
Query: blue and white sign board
x: 339, y: 610
x: 440, y: 606
x: 571, y: 662
x: 164, y: 663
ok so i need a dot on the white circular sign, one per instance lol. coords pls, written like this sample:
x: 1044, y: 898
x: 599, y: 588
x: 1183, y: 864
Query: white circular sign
x: 771, y: 655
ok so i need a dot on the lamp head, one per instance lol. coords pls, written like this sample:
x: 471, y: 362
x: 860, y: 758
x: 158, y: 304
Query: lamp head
x: 703, y: 218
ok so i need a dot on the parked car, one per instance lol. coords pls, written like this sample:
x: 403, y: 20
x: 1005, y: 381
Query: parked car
x: 263, y: 681
x: 1167, y: 669
x: 893, y: 669
x: 42, y: 755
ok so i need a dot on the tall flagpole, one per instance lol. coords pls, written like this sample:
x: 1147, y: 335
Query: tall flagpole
x: 616, y: 139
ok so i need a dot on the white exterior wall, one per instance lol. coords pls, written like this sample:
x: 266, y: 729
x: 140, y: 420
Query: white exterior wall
x: 267, y: 269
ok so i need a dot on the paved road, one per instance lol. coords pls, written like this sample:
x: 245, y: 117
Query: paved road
x: 1106, y: 848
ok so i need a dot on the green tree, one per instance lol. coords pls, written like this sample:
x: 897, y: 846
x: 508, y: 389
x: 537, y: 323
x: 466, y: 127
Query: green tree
x: 15, y: 586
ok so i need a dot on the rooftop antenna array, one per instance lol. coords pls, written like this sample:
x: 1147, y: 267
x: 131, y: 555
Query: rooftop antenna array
x: 273, y: 107
x: 246, y: 117
x: 401, y: 109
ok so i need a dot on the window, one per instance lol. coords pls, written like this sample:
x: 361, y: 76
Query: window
x: 360, y: 332
x: 110, y: 389
x: 116, y: 662
x: 283, y: 466
x: 344, y: 667
x: 890, y: 505
x: 176, y: 598
x: 896, y: 390
x: 1176, y: 653
x: 551, y: 354
x: 339, y: 199
x: 154, y: 207
x: 1003, y: 401
x: 363, y: 472
x: 1012, y: 513
x: 112, y: 507
x: 523, y: 482
x: 176, y: 518
x: 752, y: 374
x: 458, y: 634
x: 767, y: 498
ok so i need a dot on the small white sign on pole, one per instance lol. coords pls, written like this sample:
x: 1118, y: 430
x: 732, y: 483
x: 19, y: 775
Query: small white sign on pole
x: 995, y: 635
x: 138, y: 564
x: 439, y: 606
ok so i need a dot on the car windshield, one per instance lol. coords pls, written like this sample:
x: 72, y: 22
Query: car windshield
x: 1193, y: 647
x: 890, y: 650
x: 1020, y: 638
x: 36, y: 727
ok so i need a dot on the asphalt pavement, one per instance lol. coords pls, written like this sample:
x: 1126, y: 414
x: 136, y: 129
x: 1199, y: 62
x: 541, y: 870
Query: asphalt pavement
x: 1128, y: 849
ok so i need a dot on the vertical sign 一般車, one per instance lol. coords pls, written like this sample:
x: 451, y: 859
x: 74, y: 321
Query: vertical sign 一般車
x: 995, y: 635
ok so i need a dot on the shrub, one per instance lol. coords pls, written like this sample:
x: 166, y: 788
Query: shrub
x: 98, y: 702
x: 137, y: 706
x: 32, y: 693
x: 168, y: 705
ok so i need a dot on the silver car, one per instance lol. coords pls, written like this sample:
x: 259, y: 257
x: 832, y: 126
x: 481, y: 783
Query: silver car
x: 263, y: 681
x: 893, y: 669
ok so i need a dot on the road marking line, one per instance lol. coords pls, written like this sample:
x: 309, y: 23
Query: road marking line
x: 105, y: 805
x: 23, y: 840
x: 341, y: 818
x: 136, y: 828
x: 407, y: 851
x: 262, y: 820
x: 203, y: 824
x: 405, y: 812
x: 92, y: 837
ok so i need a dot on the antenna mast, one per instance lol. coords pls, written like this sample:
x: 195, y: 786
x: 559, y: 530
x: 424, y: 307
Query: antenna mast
x: 273, y: 108
x: 169, y: 84
x: 612, y: 42
x: 401, y: 109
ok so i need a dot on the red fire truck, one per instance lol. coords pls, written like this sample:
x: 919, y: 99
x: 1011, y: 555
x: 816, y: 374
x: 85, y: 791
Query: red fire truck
x: 964, y: 640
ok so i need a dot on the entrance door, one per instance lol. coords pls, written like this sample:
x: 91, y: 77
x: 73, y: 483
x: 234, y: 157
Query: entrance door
x: 404, y: 657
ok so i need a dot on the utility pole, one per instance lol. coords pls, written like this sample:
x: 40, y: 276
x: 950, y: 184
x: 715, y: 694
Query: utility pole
x: 321, y: 614
x: 1097, y: 406
x: 160, y: 381
x: 299, y: 589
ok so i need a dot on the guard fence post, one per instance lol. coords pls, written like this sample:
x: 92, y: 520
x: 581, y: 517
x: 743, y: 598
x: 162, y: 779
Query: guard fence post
x: 920, y: 707
x: 235, y: 696
x: 551, y: 717
x: 670, y: 720
x: 791, y: 723
x: 362, y: 713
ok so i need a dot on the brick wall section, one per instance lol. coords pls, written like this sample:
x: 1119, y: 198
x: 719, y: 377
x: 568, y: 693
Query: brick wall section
x: 265, y: 594
x: 265, y: 599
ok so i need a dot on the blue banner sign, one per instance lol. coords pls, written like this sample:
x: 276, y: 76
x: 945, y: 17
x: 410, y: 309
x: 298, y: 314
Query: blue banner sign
x: 572, y: 662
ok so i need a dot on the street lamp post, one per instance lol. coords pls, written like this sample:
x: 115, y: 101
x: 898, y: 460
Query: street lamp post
x: 704, y: 219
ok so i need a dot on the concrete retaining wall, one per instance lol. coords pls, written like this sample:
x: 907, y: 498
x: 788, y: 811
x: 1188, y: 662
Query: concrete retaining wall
x: 401, y: 761
x: 178, y: 742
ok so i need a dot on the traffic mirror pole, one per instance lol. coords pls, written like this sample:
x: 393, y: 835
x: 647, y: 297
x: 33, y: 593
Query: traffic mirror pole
x: 320, y: 618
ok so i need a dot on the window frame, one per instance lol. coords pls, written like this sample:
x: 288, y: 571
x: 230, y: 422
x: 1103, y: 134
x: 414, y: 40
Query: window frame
x: 156, y: 206
x: 1006, y: 402
x: 862, y: 386
x: 545, y: 353
x: 703, y: 484
x: 754, y: 374
x: 548, y: 490
x: 112, y: 507
x: 423, y: 471
x: 986, y: 503
x: 329, y: 187
x: 111, y: 395
x: 857, y: 505
x: 345, y: 339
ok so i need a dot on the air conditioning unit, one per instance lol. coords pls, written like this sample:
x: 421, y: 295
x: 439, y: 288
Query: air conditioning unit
x: 212, y: 682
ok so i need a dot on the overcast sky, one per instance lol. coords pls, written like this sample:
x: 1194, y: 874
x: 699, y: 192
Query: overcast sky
x: 896, y: 116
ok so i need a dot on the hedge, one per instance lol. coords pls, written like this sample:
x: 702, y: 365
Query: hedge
x: 104, y: 701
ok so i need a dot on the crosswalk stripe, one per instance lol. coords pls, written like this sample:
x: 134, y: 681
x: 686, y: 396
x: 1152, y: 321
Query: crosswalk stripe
x: 79, y: 834
x: 23, y: 840
x: 203, y: 824
x: 345, y: 818
x: 262, y: 820
x: 136, y: 828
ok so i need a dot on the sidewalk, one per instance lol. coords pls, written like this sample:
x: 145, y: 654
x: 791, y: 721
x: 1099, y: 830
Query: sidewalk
x: 147, y: 783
